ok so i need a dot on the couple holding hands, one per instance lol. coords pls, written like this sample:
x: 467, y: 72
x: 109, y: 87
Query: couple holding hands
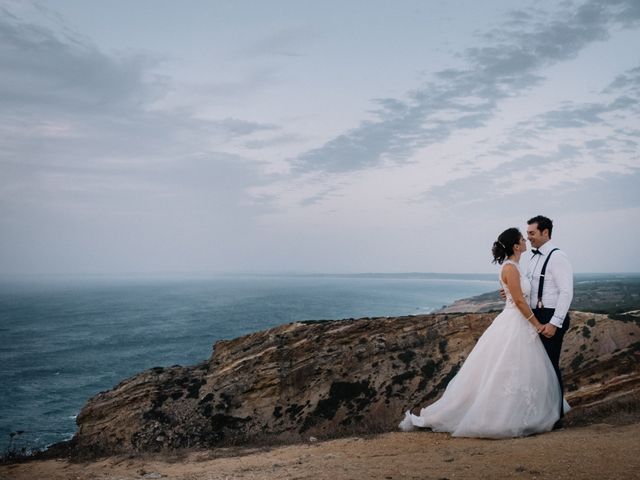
x: 510, y: 384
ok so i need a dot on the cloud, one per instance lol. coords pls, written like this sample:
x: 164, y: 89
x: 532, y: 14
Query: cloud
x: 62, y: 95
x: 238, y: 128
x: 606, y: 158
x: 598, y: 123
x: 505, y: 64
x: 532, y: 183
x: 518, y: 174
x: 577, y: 147
x: 41, y: 68
x: 624, y: 94
x: 84, y: 145
x: 590, y: 169
x: 576, y: 116
x: 626, y: 82
x: 252, y: 69
x: 318, y: 197
x: 272, y: 141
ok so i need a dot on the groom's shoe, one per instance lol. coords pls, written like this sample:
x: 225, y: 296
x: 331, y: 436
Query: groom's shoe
x: 559, y: 425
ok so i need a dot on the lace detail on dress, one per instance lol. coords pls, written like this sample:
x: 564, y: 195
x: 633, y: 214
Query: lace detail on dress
x: 526, y: 394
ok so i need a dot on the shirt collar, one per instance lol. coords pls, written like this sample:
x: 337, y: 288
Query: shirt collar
x: 546, y: 248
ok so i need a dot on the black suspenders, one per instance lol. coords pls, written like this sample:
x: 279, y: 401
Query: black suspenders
x: 541, y: 284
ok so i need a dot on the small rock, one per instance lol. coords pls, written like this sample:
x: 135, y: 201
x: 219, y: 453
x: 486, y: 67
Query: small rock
x: 152, y: 475
x: 313, y: 439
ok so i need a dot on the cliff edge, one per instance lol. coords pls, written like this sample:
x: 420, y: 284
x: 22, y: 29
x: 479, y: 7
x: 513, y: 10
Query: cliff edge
x: 334, y: 378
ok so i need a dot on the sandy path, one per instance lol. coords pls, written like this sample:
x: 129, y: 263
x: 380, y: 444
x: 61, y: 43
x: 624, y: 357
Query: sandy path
x: 597, y: 451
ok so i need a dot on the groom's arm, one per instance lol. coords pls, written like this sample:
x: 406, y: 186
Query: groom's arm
x: 563, y: 276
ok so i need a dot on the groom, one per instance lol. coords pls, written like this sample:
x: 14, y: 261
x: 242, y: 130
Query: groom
x: 551, y: 279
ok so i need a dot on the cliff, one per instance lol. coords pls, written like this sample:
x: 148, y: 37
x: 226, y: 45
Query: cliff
x: 332, y: 378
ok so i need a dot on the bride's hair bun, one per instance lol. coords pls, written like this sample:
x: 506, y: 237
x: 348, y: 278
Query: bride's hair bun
x: 503, y: 246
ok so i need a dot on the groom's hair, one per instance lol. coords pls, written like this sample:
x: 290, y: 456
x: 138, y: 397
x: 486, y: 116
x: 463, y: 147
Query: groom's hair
x: 543, y: 223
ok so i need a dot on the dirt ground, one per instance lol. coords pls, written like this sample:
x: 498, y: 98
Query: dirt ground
x: 599, y: 451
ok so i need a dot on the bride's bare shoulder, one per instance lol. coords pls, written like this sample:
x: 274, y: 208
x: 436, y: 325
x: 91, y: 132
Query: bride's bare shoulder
x: 509, y: 270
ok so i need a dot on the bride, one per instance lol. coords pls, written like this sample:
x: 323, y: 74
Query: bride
x: 507, y: 386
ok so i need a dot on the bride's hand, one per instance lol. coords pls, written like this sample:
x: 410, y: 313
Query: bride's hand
x: 549, y: 330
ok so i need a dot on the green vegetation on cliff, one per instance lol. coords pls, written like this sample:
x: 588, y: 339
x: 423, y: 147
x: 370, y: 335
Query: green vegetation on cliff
x: 599, y: 293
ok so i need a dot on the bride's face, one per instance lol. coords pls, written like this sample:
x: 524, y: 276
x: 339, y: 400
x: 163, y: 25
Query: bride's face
x: 522, y: 245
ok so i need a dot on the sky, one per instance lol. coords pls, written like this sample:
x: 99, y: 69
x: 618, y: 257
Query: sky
x: 154, y: 136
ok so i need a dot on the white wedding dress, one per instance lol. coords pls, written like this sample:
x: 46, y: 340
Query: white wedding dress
x: 507, y: 386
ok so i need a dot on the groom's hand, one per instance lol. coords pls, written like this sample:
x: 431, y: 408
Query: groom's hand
x: 503, y: 294
x: 548, y: 330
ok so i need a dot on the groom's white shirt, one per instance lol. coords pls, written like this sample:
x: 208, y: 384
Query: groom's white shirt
x: 558, y: 282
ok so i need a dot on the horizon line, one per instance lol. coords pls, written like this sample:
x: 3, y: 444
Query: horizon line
x: 200, y: 274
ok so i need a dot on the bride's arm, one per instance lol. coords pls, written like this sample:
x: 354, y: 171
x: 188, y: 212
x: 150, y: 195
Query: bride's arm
x: 511, y: 277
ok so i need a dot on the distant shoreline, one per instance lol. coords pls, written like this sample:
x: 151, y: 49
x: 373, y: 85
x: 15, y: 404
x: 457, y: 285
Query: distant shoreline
x: 169, y: 276
x: 598, y: 293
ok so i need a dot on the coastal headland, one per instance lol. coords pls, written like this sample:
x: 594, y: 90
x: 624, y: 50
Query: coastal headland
x: 279, y: 403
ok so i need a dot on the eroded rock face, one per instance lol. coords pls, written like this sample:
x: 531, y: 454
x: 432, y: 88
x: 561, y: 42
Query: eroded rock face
x: 330, y: 378
x: 601, y: 360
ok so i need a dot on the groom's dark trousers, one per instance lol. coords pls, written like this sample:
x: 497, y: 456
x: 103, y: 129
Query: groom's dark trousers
x: 553, y: 345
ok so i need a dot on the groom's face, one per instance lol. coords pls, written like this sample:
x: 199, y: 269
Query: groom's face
x: 536, y: 237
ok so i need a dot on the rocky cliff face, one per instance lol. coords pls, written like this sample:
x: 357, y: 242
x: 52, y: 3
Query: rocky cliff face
x: 330, y: 378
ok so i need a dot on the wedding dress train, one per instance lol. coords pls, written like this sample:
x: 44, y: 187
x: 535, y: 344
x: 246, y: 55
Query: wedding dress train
x: 507, y: 386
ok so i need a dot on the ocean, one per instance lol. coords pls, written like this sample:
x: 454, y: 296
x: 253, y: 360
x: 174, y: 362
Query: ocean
x: 64, y: 340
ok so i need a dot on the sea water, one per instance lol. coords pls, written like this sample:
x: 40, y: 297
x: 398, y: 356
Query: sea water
x: 64, y: 340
